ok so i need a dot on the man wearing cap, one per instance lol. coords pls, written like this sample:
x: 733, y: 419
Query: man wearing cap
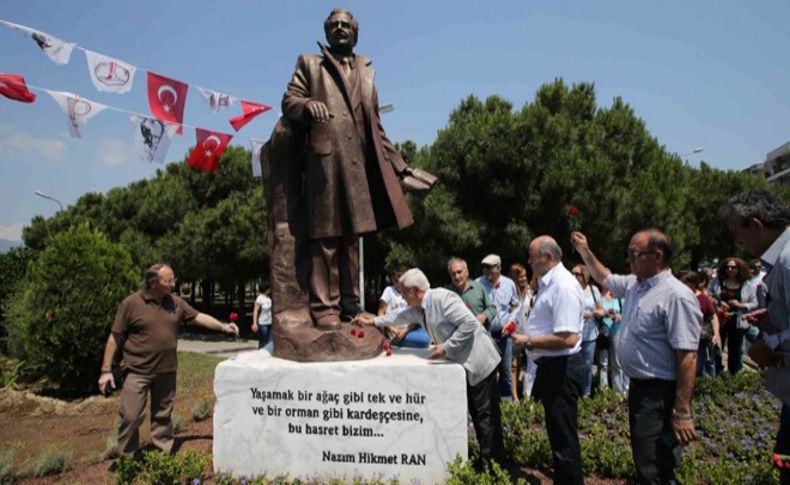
x: 553, y: 341
x: 459, y: 337
x: 503, y: 294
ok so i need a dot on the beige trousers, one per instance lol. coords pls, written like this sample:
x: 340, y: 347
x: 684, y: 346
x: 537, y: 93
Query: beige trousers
x: 134, y: 397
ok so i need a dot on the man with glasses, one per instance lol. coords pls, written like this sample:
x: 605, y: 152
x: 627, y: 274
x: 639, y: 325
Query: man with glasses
x: 145, y: 326
x: 658, y: 350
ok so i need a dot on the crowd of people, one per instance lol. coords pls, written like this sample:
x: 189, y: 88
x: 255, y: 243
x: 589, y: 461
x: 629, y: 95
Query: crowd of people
x: 649, y: 334
x: 539, y: 336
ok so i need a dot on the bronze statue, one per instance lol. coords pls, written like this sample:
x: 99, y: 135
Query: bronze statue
x: 331, y: 175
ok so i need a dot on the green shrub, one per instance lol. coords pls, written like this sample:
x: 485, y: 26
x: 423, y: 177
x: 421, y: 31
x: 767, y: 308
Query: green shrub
x: 178, y: 422
x: 162, y: 468
x: 60, y: 318
x: 6, y: 461
x: 13, y: 265
x: 111, y: 446
x: 202, y: 409
x: 51, y: 461
x: 9, y: 372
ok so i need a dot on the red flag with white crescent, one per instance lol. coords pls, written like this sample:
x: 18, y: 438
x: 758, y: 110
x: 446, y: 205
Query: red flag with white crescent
x: 249, y: 111
x: 167, y: 98
x: 209, y: 147
x: 13, y: 86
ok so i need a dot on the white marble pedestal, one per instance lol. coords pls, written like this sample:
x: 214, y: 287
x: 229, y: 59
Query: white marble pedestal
x: 400, y: 416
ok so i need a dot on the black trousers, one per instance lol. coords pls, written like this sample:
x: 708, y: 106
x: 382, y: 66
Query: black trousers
x: 558, y: 384
x: 482, y: 400
x: 655, y: 450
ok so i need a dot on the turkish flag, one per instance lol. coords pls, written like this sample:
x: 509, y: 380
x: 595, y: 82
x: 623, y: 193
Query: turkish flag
x: 12, y: 86
x: 210, y: 145
x: 249, y: 111
x: 167, y: 98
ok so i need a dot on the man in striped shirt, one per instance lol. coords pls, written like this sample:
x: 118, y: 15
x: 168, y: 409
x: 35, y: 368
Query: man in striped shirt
x: 658, y: 350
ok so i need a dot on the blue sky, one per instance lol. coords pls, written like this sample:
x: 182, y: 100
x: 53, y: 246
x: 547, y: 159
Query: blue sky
x: 707, y: 73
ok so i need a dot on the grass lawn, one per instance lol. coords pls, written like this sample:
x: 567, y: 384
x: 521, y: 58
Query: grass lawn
x: 32, y: 427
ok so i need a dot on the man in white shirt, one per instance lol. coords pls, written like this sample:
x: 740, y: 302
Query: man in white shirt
x: 553, y: 341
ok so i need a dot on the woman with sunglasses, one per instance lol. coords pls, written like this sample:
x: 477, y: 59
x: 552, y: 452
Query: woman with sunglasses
x: 735, y: 295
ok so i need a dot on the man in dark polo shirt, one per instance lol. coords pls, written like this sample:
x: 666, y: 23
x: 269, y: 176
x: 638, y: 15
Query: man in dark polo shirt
x: 145, y: 325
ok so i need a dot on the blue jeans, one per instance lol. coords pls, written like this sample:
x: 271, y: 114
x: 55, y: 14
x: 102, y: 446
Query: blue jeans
x: 619, y: 379
x: 588, y: 355
x: 417, y: 338
x: 264, y: 334
x: 706, y: 358
x: 505, y: 367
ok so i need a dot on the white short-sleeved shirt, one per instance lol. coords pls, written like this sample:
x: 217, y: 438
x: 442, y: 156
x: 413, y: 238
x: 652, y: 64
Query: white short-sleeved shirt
x: 394, y: 300
x: 265, y: 310
x: 558, y: 308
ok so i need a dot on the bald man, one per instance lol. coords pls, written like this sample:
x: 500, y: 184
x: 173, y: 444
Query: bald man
x: 658, y: 350
x: 553, y: 341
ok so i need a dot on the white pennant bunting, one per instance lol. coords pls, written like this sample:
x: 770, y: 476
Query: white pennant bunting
x: 78, y: 110
x: 57, y: 50
x: 152, y: 138
x: 255, y: 148
x: 215, y: 100
x: 108, y: 74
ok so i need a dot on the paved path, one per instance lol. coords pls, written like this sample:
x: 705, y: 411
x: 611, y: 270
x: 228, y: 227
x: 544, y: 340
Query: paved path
x: 220, y: 346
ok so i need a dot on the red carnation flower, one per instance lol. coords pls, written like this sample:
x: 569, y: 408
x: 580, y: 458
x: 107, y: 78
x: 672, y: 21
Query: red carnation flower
x: 354, y: 332
x: 234, y: 317
x: 361, y: 333
x: 611, y: 311
x: 572, y: 210
x: 389, y: 353
x: 385, y: 345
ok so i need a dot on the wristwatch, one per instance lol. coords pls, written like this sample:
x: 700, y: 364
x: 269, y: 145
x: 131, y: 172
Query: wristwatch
x: 681, y: 416
x: 529, y: 345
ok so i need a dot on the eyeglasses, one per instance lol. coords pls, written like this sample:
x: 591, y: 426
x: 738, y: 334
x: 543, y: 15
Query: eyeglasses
x: 576, y: 274
x: 732, y: 267
x: 635, y: 254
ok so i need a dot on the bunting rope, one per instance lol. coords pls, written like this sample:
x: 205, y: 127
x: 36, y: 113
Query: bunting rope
x: 32, y: 31
x: 152, y: 132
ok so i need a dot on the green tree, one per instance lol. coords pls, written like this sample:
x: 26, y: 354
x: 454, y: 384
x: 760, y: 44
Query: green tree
x: 60, y: 318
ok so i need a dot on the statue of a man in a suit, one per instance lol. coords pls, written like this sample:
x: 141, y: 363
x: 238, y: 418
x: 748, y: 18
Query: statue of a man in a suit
x: 349, y: 171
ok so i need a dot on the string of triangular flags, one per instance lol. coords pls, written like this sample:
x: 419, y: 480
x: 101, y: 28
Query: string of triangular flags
x: 166, y: 100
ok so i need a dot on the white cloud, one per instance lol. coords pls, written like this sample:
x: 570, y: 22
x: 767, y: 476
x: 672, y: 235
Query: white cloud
x: 48, y: 148
x: 12, y: 232
x: 113, y: 152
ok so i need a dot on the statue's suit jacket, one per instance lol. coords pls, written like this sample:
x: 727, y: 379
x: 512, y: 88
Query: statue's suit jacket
x: 351, y: 184
x: 449, y: 321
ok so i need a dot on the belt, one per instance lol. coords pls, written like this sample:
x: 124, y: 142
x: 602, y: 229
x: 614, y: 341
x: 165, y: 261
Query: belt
x: 650, y: 382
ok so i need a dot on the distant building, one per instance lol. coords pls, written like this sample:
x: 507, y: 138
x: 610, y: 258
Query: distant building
x: 776, y: 167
